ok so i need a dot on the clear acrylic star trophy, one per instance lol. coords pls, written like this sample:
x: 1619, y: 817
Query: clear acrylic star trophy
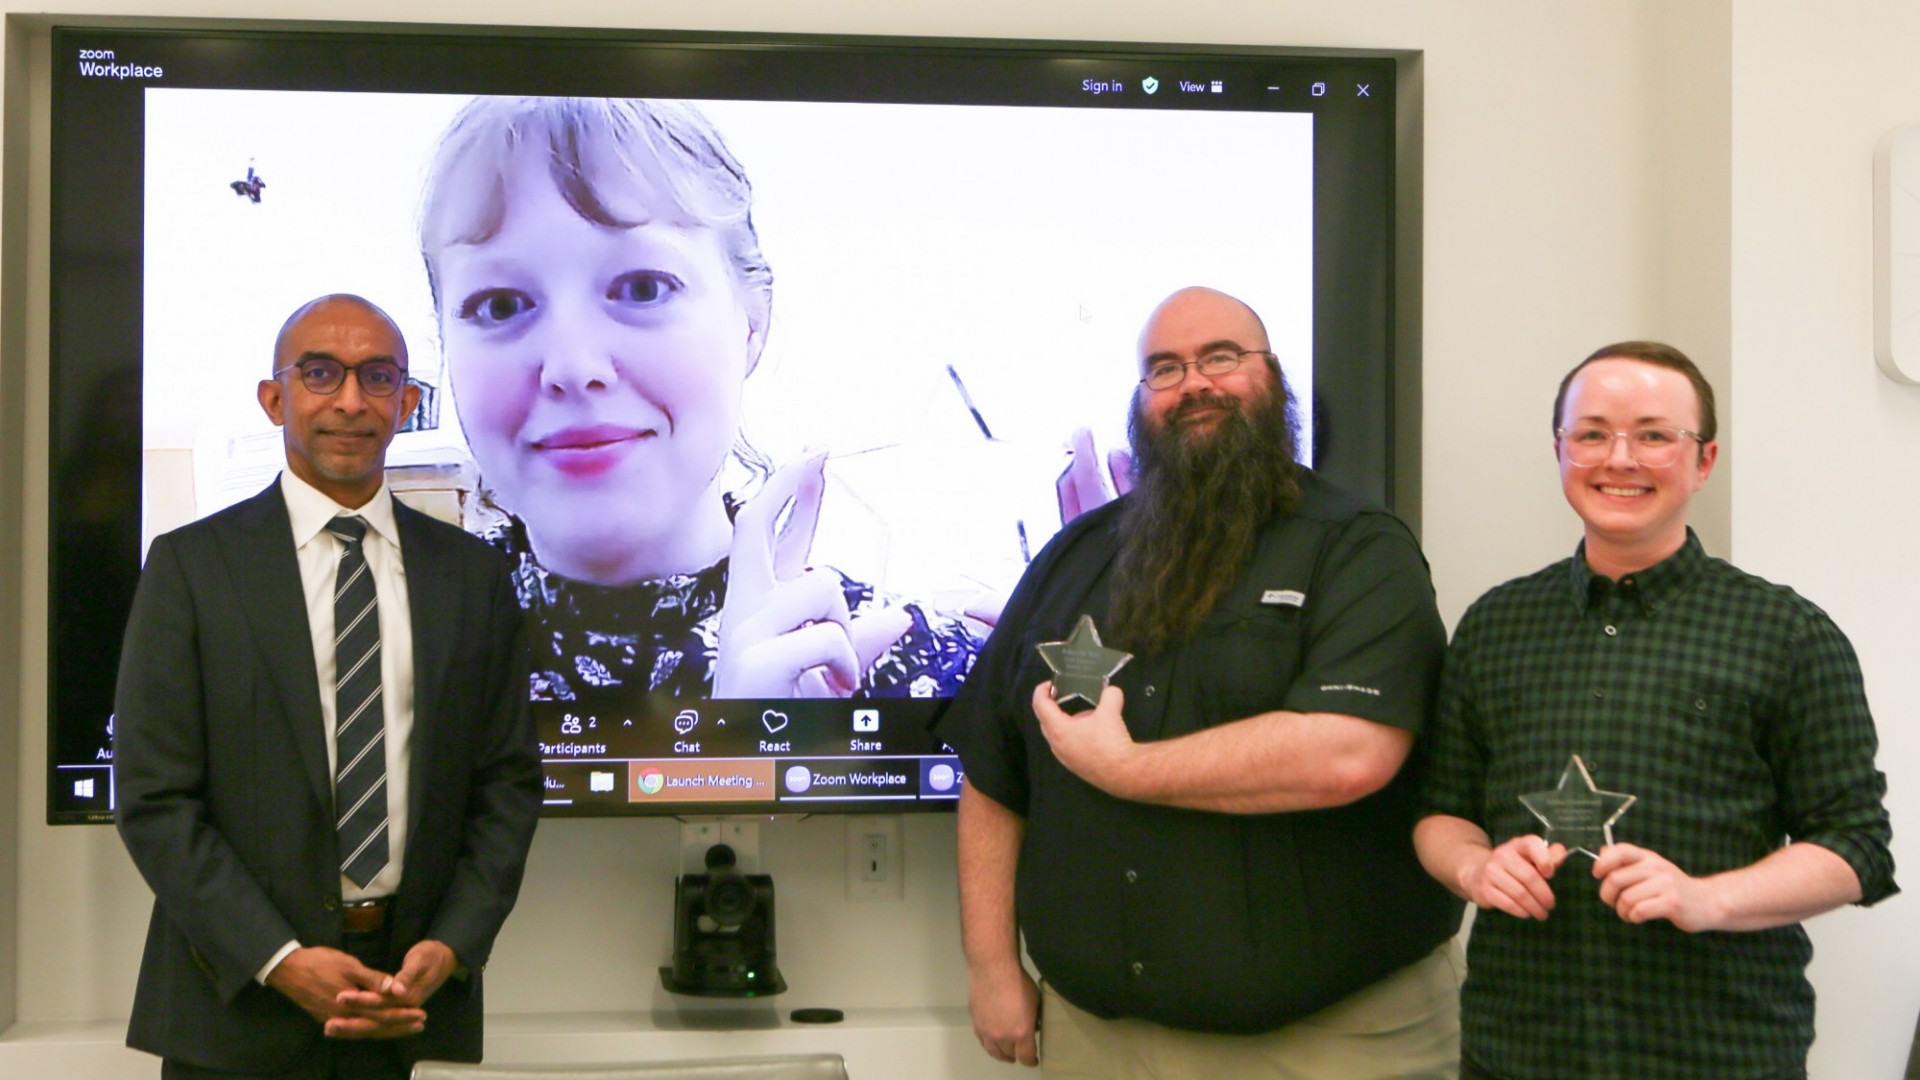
x: 1081, y: 665
x: 1575, y: 812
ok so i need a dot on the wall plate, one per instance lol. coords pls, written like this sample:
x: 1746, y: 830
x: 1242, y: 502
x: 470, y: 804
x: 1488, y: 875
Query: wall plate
x: 876, y: 859
x: 697, y: 836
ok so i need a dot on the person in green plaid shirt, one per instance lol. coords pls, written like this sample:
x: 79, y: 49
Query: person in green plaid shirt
x: 1730, y: 707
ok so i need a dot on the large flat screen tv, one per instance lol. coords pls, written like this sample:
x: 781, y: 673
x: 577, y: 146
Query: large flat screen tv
x: 761, y: 355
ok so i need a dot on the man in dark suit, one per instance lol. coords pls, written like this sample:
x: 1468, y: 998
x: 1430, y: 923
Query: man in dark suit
x: 324, y: 763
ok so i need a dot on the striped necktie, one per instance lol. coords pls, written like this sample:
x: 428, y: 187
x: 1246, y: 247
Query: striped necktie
x: 360, y: 725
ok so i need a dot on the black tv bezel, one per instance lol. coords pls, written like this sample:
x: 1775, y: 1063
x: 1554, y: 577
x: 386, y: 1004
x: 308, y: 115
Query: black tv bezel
x: 1357, y: 312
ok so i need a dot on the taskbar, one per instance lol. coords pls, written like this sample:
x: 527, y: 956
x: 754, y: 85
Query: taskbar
x: 766, y: 784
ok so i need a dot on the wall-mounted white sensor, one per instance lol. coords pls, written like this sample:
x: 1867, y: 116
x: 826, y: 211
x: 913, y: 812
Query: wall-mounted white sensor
x: 1896, y: 254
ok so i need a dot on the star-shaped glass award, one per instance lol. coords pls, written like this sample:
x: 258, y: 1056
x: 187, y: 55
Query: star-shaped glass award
x: 1081, y: 665
x: 1575, y: 812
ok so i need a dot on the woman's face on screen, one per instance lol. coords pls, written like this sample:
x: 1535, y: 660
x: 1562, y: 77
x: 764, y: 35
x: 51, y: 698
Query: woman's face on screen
x: 598, y: 373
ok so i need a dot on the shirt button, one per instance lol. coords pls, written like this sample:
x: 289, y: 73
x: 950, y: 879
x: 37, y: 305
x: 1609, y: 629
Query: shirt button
x: 1132, y: 876
x: 1599, y: 693
x: 1701, y: 704
x: 329, y: 903
x: 1137, y: 967
x: 1612, y: 630
x: 1149, y: 689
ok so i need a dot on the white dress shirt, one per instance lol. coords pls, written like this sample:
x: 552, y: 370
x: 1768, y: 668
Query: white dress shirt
x: 319, y: 553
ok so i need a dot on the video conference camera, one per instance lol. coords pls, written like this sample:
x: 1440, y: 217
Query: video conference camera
x: 723, y: 942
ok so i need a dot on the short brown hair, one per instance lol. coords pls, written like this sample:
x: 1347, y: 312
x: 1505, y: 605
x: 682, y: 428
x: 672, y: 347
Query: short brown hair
x: 1659, y: 355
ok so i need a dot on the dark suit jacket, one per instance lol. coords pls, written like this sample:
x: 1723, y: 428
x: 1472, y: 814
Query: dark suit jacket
x: 225, y: 800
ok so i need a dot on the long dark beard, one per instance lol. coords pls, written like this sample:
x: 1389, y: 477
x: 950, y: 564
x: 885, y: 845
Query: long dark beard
x: 1200, y: 502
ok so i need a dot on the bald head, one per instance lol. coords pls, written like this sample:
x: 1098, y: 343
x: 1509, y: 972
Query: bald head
x: 335, y: 422
x: 1189, y: 326
x: 329, y: 307
x: 1197, y: 306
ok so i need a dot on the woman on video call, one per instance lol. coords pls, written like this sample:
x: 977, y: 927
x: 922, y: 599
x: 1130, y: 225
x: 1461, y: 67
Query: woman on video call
x: 602, y: 298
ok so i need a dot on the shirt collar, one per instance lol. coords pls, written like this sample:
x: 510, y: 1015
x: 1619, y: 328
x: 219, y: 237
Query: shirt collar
x: 310, y: 510
x: 1651, y: 587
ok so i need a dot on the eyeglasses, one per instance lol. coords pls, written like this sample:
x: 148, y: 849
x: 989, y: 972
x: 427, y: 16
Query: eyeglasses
x: 1654, y: 447
x: 1167, y: 374
x: 324, y: 375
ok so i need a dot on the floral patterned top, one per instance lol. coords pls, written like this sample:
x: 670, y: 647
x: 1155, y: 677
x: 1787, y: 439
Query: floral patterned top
x: 661, y: 636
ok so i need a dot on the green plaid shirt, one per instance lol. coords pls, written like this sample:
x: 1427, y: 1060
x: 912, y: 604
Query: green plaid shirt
x: 1734, y: 709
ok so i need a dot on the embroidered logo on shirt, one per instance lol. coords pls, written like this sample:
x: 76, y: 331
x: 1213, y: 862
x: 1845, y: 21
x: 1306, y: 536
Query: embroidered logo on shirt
x: 1349, y: 688
x: 1284, y: 597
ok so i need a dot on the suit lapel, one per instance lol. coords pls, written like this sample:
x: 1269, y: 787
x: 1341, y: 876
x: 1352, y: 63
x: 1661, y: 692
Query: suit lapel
x: 266, y: 577
x: 435, y: 612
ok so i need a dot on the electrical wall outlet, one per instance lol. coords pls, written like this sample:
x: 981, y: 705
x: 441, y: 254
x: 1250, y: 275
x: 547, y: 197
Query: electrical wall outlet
x: 697, y: 836
x: 876, y: 859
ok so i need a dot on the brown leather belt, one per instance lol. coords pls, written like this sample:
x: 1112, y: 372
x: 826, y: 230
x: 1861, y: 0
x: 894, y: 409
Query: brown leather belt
x: 365, y: 916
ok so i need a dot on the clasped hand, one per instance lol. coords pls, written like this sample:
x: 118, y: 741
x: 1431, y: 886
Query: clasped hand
x: 354, y: 1001
x: 1638, y: 884
x: 785, y: 630
x: 1081, y: 487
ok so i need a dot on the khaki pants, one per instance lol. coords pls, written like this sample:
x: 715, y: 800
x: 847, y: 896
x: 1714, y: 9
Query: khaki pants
x: 1404, y: 1027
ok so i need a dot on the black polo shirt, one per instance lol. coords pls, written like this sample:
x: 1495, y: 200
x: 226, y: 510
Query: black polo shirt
x: 1207, y: 921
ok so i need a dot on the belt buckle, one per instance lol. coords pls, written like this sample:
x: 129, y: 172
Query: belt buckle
x: 364, y: 916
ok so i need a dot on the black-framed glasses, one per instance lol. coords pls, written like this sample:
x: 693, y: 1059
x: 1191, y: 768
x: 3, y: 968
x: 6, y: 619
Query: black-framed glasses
x: 1167, y: 374
x: 1589, y: 445
x: 324, y: 375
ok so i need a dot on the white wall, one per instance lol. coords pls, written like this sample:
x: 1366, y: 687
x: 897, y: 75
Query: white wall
x: 1825, y: 499
x: 1579, y: 161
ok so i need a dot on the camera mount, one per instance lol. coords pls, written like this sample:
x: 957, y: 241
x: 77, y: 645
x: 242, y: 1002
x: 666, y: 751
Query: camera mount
x: 723, y: 932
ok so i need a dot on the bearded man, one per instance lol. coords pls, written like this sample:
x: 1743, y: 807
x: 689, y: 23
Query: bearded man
x: 1212, y: 869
